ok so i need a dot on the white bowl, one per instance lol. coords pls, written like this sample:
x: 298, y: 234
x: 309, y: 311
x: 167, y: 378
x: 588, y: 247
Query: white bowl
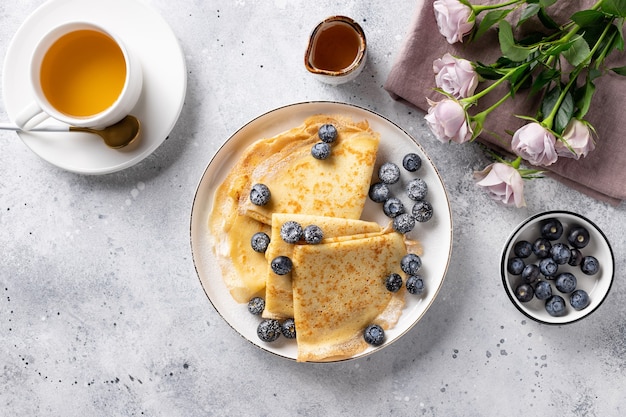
x: 597, y: 285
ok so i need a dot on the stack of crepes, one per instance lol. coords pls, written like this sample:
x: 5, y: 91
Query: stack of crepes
x: 600, y: 174
x: 336, y: 288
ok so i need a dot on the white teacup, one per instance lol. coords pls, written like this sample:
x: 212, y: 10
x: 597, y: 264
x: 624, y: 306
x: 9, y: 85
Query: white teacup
x: 82, y: 75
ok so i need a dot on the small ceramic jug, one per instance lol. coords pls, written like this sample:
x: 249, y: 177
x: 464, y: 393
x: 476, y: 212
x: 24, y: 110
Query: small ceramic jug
x: 336, y: 51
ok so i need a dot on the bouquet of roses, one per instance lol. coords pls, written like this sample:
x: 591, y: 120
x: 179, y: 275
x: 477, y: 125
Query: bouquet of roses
x: 557, y: 65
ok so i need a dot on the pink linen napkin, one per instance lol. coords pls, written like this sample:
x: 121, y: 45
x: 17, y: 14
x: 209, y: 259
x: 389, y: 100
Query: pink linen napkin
x: 601, y: 174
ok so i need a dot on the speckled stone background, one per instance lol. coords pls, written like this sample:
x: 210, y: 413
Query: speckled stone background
x: 101, y: 312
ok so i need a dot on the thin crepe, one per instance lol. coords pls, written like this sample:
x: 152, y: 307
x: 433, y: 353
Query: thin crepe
x: 299, y: 183
x: 339, y: 289
x: 278, y: 288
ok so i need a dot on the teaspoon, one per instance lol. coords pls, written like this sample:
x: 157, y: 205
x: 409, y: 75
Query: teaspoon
x: 116, y: 136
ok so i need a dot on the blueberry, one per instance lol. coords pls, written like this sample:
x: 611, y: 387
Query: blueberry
x: 555, y: 306
x: 578, y: 237
x: 389, y: 173
x: 590, y: 265
x: 379, y: 192
x: 412, y: 162
x: 403, y: 223
x: 291, y: 232
x: 576, y: 257
x: 268, y: 330
x: 374, y: 335
x: 551, y: 229
x: 415, y: 284
x: 548, y: 267
x: 422, y: 211
x: 410, y: 264
x: 256, y: 305
x: 393, y: 207
x: 561, y: 253
x: 320, y: 150
x: 417, y: 189
x: 327, y: 133
x: 530, y: 273
x: 565, y: 282
x: 313, y: 234
x: 260, y: 194
x: 281, y: 265
x: 288, y: 328
x: 393, y: 282
x: 543, y: 290
x: 259, y: 242
x: 541, y: 247
x: 524, y: 293
x: 579, y: 299
x: 515, y: 266
x: 523, y: 249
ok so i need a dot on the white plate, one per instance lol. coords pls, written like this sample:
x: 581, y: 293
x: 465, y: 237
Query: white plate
x: 165, y: 81
x: 435, y: 235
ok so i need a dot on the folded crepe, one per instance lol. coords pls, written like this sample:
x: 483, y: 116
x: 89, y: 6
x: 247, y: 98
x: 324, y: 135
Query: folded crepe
x: 600, y: 174
x: 299, y: 183
x: 339, y: 289
x: 278, y: 290
x: 243, y: 269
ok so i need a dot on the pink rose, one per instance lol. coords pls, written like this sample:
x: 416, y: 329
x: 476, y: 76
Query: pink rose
x: 447, y: 120
x: 454, y: 19
x: 455, y: 76
x: 535, y: 144
x: 503, y: 183
x: 577, y: 140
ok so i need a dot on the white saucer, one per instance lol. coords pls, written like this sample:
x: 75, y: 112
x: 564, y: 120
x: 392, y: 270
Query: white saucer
x: 147, y: 34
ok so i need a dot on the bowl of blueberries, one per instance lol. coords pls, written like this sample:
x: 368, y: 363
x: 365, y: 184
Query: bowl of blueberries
x: 557, y: 267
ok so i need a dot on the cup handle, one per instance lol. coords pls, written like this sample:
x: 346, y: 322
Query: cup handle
x: 31, y: 116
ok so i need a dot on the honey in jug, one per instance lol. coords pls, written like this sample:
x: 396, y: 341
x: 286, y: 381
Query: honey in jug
x: 335, y: 47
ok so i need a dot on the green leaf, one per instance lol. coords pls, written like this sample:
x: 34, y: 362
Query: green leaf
x: 543, y: 79
x: 530, y: 11
x: 487, y: 72
x: 532, y: 38
x: 594, y: 73
x: 583, y: 100
x: 504, y: 62
x: 587, y: 18
x: 518, y: 74
x: 560, y: 48
x: 547, y: 3
x: 508, y: 46
x: 619, y: 70
x: 546, y: 20
x: 549, y: 100
x: 564, y: 114
x: 614, y: 7
x: 579, y: 51
x: 491, y: 18
x: 619, y: 38
x: 595, y: 35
